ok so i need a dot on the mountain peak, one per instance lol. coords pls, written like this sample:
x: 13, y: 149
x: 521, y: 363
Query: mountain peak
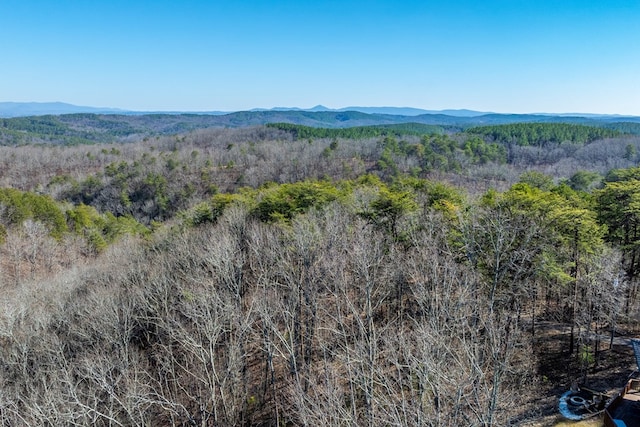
x: 319, y: 107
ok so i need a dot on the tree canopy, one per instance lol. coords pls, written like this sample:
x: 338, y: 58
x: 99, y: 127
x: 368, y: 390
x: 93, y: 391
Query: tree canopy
x: 542, y: 134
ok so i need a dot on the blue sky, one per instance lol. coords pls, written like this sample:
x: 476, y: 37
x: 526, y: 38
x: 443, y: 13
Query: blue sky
x: 518, y: 56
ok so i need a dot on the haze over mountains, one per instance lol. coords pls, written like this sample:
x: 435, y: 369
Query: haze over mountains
x: 398, y: 111
x: 24, y: 109
x: 21, y: 109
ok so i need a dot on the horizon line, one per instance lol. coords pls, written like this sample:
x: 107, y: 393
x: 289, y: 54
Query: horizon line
x: 318, y: 108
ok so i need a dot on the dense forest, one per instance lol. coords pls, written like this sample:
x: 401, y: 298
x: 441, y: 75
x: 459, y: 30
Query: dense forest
x: 87, y: 128
x: 359, y: 132
x: 541, y: 134
x: 287, y: 275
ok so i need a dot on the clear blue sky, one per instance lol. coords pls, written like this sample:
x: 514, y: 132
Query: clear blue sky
x: 491, y: 55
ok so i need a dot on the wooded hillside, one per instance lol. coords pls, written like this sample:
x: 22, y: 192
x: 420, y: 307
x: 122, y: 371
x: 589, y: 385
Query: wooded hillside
x: 257, y: 276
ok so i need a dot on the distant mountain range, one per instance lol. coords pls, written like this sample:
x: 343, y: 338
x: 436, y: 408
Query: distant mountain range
x: 23, y: 109
x: 396, y: 111
x: 68, y: 124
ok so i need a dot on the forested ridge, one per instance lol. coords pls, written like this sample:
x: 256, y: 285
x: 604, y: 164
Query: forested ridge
x: 359, y: 132
x: 544, y: 133
x: 88, y: 128
x: 281, y: 275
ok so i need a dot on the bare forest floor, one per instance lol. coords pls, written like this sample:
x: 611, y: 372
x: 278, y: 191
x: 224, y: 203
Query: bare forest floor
x: 557, y: 369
